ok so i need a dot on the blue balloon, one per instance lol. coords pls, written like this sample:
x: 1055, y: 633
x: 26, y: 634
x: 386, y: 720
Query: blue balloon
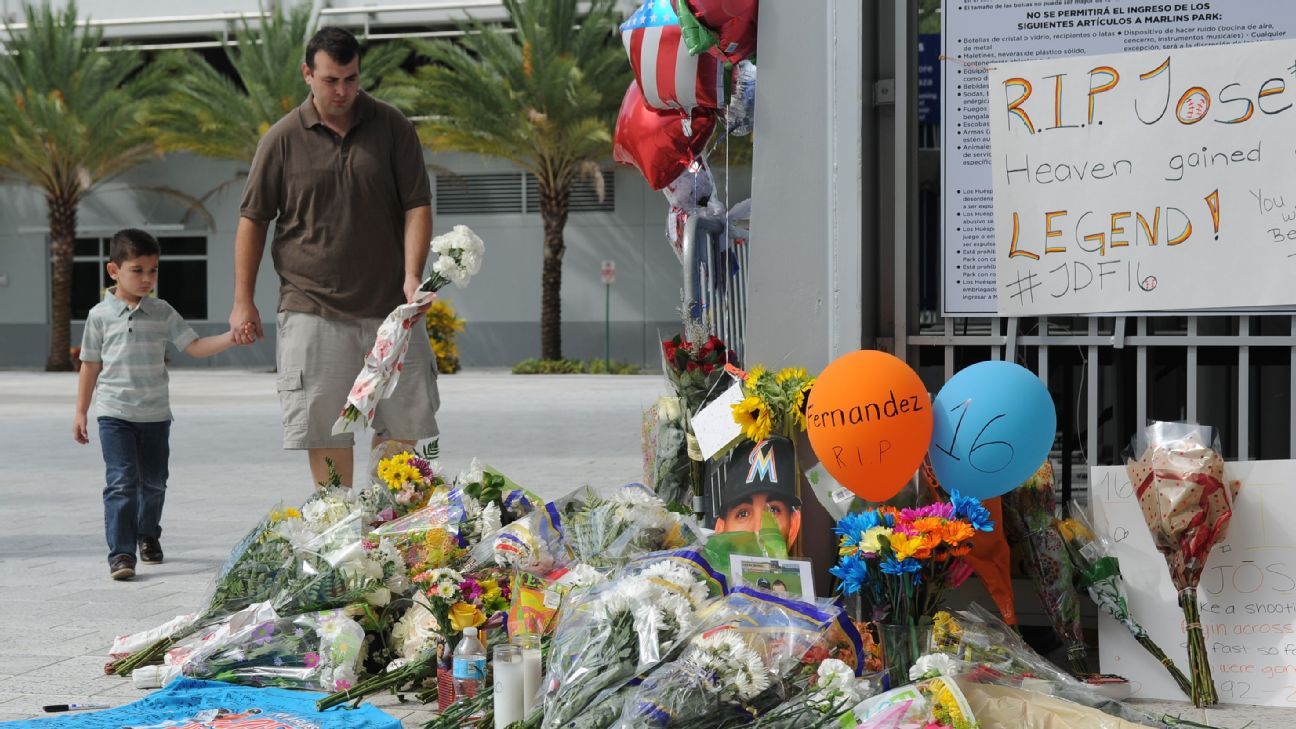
x: 994, y: 426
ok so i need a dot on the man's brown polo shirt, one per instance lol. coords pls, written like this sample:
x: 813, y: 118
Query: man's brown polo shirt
x: 339, y: 207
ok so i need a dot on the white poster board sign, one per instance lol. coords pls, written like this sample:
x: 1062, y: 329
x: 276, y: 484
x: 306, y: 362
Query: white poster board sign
x: 1247, y: 591
x: 979, y: 35
x: 1153, y: 181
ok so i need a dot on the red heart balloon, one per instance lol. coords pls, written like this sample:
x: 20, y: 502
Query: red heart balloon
x: 734, y: 21
x: 656, y: 142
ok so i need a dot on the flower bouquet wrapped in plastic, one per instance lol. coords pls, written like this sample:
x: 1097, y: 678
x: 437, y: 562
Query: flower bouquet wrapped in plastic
x: 754, y: 655
x: 311, y: 651
x: 612, y: 632
x: 457, y: 257
x: 250, y: 574
x: 1098, y: 573
x: 1178, y: 476
x: 584, y: 527
x: 1030, y: 513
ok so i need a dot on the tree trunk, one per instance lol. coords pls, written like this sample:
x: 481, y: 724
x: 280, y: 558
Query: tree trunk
x: 554, y: 200
x: 62, y: 226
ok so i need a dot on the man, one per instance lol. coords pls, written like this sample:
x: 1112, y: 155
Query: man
x: 342, y: 177
x: 759, y: 477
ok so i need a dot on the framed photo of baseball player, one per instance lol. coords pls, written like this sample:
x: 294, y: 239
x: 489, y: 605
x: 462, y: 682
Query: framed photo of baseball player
x: 791, y: 578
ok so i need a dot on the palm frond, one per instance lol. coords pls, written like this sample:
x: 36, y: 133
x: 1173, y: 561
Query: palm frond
x: 71, y: 117
x: 544, y: 96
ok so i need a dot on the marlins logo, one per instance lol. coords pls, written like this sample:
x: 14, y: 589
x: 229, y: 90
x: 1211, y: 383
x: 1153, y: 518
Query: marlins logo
x: 762, y: 464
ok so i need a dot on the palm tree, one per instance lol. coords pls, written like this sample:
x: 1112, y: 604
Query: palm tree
x: 69, y: 120
x: 199, y: 109
x: 542, y: 94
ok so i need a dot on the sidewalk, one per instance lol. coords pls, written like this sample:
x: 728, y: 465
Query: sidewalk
x: 60, y: 611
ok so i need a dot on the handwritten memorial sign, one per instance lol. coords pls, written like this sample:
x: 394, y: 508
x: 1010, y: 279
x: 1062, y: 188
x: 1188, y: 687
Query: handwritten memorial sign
x: 1247, y: 593
x: 1148, y: 181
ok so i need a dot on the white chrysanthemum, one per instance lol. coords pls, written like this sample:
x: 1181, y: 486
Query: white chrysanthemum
x: 680, y: 577
x: 474, y: 474
x: 736, y: 666
x: 582, y: 575
x: 628, y: 594
x: 490, y: 519
x: 472, y: 508
x: 677, y: 612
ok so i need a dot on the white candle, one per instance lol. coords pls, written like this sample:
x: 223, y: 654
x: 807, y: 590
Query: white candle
x: 509, y: 704
x: 532, y: 668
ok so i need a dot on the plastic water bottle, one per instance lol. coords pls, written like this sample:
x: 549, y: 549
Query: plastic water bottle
x: 469, y: 665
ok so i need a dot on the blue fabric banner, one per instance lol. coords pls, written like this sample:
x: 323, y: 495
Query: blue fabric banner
x: 192, y: 704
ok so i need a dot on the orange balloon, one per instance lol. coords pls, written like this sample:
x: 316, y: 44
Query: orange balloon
x: 869, y: 419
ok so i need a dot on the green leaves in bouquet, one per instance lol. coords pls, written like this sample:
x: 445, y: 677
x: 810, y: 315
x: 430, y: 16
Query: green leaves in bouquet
x: 321, y: 587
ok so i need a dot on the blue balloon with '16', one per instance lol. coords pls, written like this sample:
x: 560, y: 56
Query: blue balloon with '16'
x: 994, y: 426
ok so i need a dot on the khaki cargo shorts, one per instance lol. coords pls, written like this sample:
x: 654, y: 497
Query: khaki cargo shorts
x: 318, y: 361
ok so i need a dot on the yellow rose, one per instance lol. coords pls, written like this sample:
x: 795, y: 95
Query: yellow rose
x: 465, y: 615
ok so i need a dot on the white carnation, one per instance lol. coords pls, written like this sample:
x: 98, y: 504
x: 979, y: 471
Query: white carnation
x: 835, y: 674
x: 941, y: 664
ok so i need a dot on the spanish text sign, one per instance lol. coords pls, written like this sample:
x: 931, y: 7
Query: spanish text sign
x: 1149, y: 181
x: 1247, y: 592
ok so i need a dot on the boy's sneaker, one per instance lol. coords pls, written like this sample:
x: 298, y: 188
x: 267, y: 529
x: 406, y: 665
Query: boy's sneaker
x: 150, y: 550
x: 121, y: 567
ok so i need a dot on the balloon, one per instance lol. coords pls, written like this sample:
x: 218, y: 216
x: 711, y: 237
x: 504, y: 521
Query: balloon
x: 994, y: 426
x: 740, y: 115
x: 669, y: 76
x: 734, y: 21
x: 658, y: 143
x: 870, y: 421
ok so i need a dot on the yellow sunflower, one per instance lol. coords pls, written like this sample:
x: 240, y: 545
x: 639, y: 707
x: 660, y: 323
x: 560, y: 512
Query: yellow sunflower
x: 754, y: 374
x: 753, y: 415
x: 790, y: 373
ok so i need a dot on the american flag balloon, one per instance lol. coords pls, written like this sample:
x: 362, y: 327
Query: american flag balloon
x: 669, y: 77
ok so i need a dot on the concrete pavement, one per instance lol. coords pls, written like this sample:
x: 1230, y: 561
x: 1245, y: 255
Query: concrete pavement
x: 59, y: 611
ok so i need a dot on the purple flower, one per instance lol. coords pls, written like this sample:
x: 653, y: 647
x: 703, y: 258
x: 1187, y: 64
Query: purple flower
x: 263, y: 634
x: 470, y: 589
x: 312, y: 659
x: 424, y: 468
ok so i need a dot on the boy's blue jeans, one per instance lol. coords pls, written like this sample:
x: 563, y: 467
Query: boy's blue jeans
x: 135, y: 456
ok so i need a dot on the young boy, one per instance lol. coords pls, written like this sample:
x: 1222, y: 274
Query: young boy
x: 123, y: 352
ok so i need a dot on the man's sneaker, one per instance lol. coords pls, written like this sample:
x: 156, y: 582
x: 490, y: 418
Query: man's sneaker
x: 121, y: 567
x: 150, y: 550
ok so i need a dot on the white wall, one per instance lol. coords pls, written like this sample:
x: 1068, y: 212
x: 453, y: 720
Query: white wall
x: 501, y: 305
